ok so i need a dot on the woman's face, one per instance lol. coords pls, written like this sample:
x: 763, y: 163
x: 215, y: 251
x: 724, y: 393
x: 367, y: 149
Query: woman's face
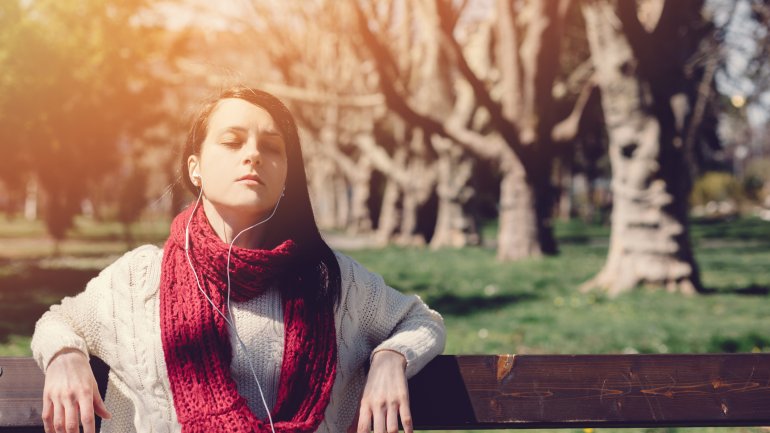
x: 242, y: 163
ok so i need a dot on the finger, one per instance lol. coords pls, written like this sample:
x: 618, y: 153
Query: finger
x: 58, y: 417
x: 71, y: 421
x: 365, y: 420
x: 378, y: 418
x: 47, y: 414
x: 86, y: 406
x: 406, y: 418
x: 391, y: 420
x: 99, y: 406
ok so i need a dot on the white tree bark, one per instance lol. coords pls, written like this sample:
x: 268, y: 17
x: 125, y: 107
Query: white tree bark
x: 455, y: 226
x: 648, y: 241
x: 389, y: 220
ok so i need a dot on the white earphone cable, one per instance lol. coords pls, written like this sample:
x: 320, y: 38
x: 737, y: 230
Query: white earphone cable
x: 230, y: 320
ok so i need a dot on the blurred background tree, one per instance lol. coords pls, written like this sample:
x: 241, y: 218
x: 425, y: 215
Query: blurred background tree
x: 81, y: 84
x: 423, y: 121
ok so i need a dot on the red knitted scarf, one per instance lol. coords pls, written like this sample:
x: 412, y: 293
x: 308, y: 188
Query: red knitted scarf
x: 196, y: 340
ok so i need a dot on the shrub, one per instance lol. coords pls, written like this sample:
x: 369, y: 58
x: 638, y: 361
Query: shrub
x: 756, y: 180
x: 716, y: 187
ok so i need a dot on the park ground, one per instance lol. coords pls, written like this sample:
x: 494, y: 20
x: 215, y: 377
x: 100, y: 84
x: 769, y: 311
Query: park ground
x: 532, y: 306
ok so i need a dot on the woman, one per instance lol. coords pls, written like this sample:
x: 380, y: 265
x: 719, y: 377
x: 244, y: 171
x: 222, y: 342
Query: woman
x: 291, y: 327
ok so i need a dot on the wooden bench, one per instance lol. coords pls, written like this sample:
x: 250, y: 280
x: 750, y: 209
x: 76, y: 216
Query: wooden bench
x: 459, y: 392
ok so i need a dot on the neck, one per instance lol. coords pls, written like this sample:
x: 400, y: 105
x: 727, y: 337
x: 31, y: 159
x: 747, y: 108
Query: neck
x: 227, y: 224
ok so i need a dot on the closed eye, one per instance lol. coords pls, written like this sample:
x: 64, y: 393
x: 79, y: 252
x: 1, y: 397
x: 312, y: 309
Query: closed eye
x: 231, y: 140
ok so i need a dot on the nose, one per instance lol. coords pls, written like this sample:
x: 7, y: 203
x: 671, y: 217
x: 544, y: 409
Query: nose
x: 252, y: 156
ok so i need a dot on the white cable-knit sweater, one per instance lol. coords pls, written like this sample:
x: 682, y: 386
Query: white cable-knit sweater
x: 117, y: 319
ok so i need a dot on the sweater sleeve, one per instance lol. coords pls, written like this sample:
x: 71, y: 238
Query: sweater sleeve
x: 75, y: 322
x: 391, y: 320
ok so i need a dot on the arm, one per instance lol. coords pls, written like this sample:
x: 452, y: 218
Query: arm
x: 64, y: 338
x: 405, y: 334
x: 399, y: 323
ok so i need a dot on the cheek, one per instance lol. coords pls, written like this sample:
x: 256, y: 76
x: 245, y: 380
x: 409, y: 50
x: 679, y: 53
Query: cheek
x: 219, y: 162
x: 280, y: 167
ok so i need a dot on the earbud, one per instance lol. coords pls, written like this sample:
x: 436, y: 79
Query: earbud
x: 196, y: 178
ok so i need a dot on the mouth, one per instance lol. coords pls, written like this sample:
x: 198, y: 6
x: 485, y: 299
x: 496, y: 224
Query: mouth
x: 251, y: 179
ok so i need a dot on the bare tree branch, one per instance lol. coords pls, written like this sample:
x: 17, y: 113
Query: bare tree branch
x: 381, y: 160
x: 576, y: 80
x: 318, y: 97
x: 638, y: 37
x: 506, y: 127
x: 568, y: 128
x: 564, y: 9
x: 388, y: 77
x: 484, y: 146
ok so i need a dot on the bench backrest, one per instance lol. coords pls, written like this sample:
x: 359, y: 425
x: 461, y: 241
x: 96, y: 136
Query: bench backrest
x: 543, y: 391
x: 576, y: 391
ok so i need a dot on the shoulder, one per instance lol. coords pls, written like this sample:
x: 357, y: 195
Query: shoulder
x: 136, y: 268
x: 144, y: 253
x: 141, y: 258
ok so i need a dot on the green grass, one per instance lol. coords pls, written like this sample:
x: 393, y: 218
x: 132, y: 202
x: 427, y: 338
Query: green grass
x: 534, y: 306
x: 531, y: 306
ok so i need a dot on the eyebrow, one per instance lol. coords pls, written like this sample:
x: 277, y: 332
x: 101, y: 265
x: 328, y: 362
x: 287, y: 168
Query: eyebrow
x: 269, y: 132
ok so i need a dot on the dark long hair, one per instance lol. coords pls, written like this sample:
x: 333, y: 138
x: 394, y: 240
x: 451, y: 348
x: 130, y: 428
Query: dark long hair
x: 319, y: 272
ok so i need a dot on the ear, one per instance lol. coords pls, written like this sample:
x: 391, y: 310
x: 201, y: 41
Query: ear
x: 193, y: 170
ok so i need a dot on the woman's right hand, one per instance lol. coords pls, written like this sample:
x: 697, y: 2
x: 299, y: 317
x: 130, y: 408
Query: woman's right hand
x: 71, y: 395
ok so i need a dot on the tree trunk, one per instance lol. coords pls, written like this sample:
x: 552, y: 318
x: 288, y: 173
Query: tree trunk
x: 517, y: 236
x: 566, y: 195
x: 342, y: 201
x: 408, y: 232
x: 322, y: 196
x: 417, y: 184
x: 649, y: 241
x: 388, y: 221
x: 455, y: 227
x: 31, y: 199
x: 361, y: 221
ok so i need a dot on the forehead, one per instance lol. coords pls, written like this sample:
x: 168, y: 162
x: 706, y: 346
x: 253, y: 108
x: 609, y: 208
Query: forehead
x: 234, y: 112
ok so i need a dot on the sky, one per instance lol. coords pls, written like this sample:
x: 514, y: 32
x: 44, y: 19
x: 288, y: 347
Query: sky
x: 740, y: 45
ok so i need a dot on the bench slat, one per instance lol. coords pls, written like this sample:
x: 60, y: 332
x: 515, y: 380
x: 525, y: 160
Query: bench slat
x: 21, y: 392
x: 528, y: 391
x: 569, y: 391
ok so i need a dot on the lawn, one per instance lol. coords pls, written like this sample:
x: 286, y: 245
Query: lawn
x: 534, y: 306
x: 526, y: 307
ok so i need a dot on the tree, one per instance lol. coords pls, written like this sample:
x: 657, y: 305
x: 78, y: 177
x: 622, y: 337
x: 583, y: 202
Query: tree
x: 644, y: 62
x: 79, y: 77
x: 508, y: 83
x: 132, y: 193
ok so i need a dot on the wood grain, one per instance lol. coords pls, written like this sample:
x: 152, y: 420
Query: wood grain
x: 527, y: 391
x: 558, y: 391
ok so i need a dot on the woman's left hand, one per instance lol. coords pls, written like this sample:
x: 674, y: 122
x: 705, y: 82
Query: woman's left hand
x: 386, y: 395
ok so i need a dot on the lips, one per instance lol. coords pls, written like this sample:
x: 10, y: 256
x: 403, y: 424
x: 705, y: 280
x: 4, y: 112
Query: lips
x: 251, y: 178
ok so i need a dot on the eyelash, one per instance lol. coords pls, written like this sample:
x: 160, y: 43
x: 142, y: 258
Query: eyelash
x: 268, y: 146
